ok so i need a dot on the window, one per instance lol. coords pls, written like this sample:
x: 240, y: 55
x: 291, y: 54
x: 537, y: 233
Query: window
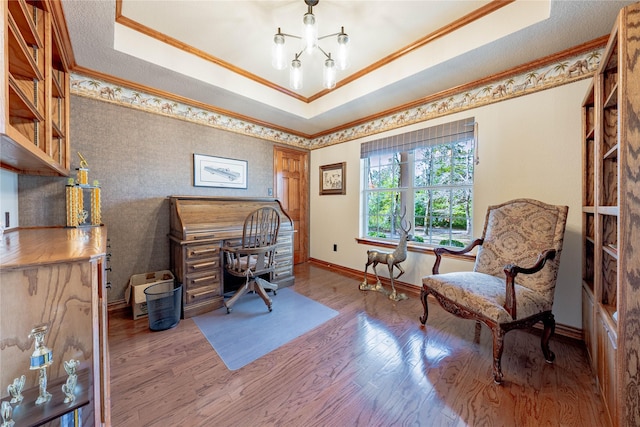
x: 428, y: 176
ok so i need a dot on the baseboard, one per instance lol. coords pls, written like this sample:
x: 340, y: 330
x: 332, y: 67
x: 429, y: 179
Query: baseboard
x: 564, y: 331
x: 405, y: 287
x: 118, y: 306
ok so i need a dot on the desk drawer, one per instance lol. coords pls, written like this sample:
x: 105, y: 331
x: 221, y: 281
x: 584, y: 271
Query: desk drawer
x: 284, y: 251
x: 211, y: 250
x: 197, y: 266
x: 284, y: 238
x: 283, y: 263
x: 280, y: 273
x: 193, y: 281
x: 202, y: 294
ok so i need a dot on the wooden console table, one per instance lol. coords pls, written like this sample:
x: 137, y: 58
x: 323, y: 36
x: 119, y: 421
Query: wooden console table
x: 200, y: 227
x: 56, y: 276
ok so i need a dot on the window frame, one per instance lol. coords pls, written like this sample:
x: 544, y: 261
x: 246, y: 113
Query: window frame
x: 405, y: 192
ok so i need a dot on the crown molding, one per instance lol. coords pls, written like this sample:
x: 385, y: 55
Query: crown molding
x: 561, y: 68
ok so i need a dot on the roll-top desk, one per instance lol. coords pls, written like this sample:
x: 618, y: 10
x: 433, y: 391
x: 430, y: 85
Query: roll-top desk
x: 200, y: 227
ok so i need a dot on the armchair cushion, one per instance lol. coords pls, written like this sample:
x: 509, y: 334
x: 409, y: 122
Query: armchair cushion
x: 517, y: 233
x: 485, y: 294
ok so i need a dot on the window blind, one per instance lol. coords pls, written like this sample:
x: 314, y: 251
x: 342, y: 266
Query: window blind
x: 445, y: 133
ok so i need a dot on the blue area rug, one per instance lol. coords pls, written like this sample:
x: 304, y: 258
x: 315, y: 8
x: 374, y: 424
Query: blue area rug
x: 250, y: 331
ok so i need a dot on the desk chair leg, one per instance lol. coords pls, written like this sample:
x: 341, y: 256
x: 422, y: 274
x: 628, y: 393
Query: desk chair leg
x: 252, y: 285
x: 267, y: 285
x: 263, y: 294
x: 241, y: 291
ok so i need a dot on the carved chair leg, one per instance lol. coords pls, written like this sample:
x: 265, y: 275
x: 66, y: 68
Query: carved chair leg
x: 478, y: 331
x: 549, y: 328
x: 423, y: 298
x: 498, y: 345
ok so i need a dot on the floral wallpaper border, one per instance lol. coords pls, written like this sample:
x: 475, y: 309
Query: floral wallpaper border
x: 568, y: 70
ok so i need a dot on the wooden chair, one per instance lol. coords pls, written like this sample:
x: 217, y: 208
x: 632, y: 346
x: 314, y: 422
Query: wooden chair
x: 514, y: 277
x: 255, y: 256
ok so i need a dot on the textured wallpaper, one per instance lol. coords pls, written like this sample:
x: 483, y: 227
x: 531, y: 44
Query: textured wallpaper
x: 139, y: 158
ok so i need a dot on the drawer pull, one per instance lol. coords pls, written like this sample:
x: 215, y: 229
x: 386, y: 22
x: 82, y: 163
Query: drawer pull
x: 203, y: 279
x: 203, y: 265
x: 194, y: 296
x: 197, y: 252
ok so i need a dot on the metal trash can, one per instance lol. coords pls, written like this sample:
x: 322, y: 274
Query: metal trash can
x: 164, y: 304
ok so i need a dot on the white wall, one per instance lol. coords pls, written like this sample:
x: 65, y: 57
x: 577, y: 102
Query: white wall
x: 8, y: 198
x: 528, y: 146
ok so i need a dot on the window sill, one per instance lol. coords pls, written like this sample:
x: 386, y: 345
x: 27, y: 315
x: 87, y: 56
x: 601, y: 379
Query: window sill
x: 411, y: 248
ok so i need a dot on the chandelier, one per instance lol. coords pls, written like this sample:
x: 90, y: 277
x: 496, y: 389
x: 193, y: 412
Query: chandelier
x: 309, y: 43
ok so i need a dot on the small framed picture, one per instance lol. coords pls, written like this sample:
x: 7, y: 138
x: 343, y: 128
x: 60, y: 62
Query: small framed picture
x: 209, y: 171
x: 333, y: 179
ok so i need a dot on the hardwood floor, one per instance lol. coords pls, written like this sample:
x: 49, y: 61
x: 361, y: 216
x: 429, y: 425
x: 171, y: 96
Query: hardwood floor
x: 372, y: 365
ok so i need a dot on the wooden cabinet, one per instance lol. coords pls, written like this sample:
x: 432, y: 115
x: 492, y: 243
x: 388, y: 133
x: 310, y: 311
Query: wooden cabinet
x: 56, y: 276
x: 197, y: 267
x: 200, y: 228
x: 588, y: 325
x: 611, y: 208
x: 607, y: 346
x: 34, y: 126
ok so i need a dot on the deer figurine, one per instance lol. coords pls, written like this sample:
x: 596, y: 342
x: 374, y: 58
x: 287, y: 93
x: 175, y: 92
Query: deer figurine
x: 391, y: 259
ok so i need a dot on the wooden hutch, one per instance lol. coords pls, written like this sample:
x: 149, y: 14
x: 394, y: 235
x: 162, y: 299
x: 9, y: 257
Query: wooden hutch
x: 55, y: 276
x: 611, y: 220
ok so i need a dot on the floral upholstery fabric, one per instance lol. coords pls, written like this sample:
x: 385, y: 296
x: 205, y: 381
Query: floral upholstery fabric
x: 516, y: 232
x: 485, y: 294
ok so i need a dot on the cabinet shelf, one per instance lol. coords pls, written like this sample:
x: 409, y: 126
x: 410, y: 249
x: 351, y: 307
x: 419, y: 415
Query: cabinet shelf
x: 587, y: 284
x: 57, y: 90
x: 21, y: 106
x: 608, y: 210
x: 28, y: 413
x: 611, y: 250
x: 612, y: 153
x: 607, y: 315
x: 590, y: 134
x: 25, y: 21
x: 57, y: 132
x: 22, y: 61
x: 612, y: 99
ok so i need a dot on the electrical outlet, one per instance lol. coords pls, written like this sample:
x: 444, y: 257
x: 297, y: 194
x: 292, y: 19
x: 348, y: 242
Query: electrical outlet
x: 270, y: 192
x: 335, y: 248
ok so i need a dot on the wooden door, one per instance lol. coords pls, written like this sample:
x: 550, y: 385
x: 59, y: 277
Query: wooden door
x: 291, y: 172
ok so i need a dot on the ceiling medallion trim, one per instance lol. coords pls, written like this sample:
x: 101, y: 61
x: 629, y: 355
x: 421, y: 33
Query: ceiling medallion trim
x: 567, y: 70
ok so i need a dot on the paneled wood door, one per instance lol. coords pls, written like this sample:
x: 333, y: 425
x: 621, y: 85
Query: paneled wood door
x: 291, y: 170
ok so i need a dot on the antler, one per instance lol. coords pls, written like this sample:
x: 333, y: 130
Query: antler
x: 402, y: 221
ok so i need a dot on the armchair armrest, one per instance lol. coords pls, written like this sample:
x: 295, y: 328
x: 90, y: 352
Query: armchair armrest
x: 512, y: 270
x: 440, y: 251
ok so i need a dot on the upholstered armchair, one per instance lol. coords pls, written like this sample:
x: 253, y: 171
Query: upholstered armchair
x: 513, y: 281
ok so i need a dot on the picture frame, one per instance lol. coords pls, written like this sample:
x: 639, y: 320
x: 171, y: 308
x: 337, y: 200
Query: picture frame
x: 333, y: 179
x: 211, y: 171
